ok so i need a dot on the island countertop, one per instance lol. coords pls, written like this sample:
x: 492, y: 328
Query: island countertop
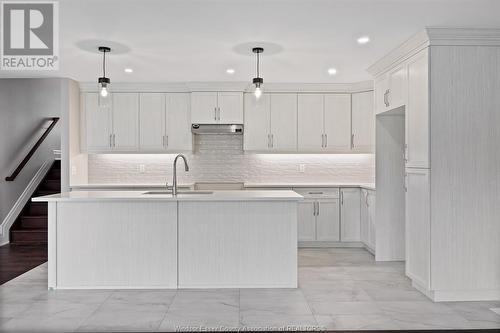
x: 78, y: 196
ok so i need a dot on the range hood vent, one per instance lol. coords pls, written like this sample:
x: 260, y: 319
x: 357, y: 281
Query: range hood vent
x: 217, y: 129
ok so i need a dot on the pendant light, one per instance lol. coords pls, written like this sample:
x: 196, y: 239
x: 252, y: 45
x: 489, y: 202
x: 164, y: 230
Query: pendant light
x: 258, y: 81
x: 104, y: 82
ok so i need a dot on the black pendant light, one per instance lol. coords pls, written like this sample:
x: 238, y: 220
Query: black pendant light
x: 258, y: 81
x: 104, y: 82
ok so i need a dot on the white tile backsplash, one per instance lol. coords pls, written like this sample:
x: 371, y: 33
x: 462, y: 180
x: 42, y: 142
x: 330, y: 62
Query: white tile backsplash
x: 220, y: 158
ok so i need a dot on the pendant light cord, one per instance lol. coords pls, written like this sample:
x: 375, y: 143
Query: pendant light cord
x: 104, y: 64
x: 258, y: 64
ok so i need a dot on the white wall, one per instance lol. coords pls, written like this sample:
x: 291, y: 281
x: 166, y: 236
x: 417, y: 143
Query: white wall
x: 220, y: 158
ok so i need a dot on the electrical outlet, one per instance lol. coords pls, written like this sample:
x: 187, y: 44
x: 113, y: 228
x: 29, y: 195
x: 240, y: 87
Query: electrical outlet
x: 302, y: 168
x: 73, y: 170
x: 142, y: 168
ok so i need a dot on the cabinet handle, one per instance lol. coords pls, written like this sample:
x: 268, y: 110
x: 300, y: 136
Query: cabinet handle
x: 215, y: 113
x: 405, y: 186
x: 326, y: 140
x: 317, y: 211
x: 352, y: 141
x: 341, y: 197
x: 315, y: 192
x: 272, y: 140
x: 269, y: 141
x: 405, y: 153
x: 111, y: 140
x: 322, y: 141
x: 163, y: 141
x: 218, y: 113
x: 114, y: 142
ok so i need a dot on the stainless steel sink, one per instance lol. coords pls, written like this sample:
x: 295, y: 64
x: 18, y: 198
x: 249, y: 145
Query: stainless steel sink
x: 179, y: 192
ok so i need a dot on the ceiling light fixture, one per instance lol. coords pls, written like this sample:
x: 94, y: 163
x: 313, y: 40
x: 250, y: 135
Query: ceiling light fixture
x: 363, y: 40
x: 104, y: 82
x: 128, y: 70
x: 258, y: 81
x: 230, y: 71
x: 332, y: 71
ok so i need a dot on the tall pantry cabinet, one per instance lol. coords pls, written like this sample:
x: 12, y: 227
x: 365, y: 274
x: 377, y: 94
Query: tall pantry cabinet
x: 447, y: 86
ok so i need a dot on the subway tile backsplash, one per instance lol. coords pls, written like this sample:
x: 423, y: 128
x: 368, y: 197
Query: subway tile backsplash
x: 220, y: 158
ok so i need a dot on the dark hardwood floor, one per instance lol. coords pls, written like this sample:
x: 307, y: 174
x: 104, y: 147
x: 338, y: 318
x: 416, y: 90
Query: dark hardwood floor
x: 18, y: 259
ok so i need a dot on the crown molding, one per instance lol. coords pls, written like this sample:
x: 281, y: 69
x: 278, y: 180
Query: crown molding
x: 435, y: 36
x: 232, y: 86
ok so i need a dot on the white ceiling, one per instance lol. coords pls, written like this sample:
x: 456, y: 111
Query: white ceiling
x: 173, y: 41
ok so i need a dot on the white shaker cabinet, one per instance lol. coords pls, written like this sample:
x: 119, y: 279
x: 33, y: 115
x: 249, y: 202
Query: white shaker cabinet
x: 306, y: 221
x: 350, y: 215
x: 363, y: 122
x: 99, y: 127
x: 390, y: 89
x: 270, y: 122
x: 381, y: 86
x: 152, y: 121
x: 310, y: 122
x: 217, y: 107
x: 337, y: 122
x: 327, y: 220
x: 417, y: 112
x: 367, y: 220
x: 165, y: 122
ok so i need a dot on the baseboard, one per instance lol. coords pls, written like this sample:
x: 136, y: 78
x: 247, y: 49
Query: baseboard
x: 22, y: 200
x: 329, y: 244
x: 458, y: 295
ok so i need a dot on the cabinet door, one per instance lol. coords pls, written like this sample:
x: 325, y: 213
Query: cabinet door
x: 178, y: 134
x: 310, y: 122
x: 371, y: 202
x: 363, y: 122
x: 306, y: 221
x: 417, y: 225
x: 381, y: 87
x: 397, y: 87
x: 327, y: 220
x: 257, y: 118
x: 350, y: 215
x: 98, y: 124
x: 152, y: 122
x: 204, y: 107
x: 230, y: 108
x: 364, y: 218
x: 417, y: 112
x: 337, y: 122
x: 284, y: 122
x: 125, y: 121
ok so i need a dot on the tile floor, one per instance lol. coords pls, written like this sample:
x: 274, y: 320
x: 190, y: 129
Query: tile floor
x: 338, y: 289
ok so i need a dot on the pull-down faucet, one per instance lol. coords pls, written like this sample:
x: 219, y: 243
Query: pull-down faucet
x: 186, y: 168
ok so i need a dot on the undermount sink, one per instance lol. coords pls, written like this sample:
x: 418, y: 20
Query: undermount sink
x: 179, y: 192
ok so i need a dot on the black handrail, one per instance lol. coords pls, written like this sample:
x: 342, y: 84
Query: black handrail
x: 32, y: 151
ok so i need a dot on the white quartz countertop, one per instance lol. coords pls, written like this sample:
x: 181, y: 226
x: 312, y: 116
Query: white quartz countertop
x: 266, y: 195
x: 369, y: 186
x: 124, y: 185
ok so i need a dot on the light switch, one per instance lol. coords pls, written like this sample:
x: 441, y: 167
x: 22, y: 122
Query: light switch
x: 142, y: 168
x: 302, y: 168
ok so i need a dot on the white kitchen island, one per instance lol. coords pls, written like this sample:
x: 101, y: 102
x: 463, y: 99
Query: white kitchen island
x: 133, y: 240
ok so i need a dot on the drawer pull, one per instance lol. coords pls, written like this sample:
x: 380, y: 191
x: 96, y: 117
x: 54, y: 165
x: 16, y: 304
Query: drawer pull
x: 314, y: 192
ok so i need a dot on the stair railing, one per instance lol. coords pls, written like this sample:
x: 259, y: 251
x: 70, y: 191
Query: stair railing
x: 32, y: 150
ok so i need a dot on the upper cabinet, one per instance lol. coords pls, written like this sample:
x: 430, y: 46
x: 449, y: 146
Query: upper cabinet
x: 324, y: 122
x: 363, y: 122
x: 165, y: 122
x: 115, y: 128
x: 390, y: 89
x: 217, y: 108
x: 270, y: 122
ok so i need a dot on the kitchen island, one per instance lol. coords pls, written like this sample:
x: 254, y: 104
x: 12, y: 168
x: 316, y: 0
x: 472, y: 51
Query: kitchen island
x: 133, y: 240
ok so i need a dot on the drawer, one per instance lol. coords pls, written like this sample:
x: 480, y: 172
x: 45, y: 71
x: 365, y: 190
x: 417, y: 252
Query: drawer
x: 318, y: 193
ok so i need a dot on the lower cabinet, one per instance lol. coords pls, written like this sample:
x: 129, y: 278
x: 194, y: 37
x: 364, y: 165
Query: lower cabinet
x: 318, y: 220
x: 350, y: 215
x: 367, y: 227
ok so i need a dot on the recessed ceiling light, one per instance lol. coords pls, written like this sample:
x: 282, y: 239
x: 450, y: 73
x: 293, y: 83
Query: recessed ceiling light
x: 332, y: 71
x: 230, y: 71
x: 363, y: 40
x: 128, y: 70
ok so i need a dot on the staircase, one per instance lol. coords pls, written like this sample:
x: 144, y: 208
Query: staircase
x: 30, y: 228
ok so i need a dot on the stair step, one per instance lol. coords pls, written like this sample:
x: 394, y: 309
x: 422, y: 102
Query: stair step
x: 28, y: 236
x: 37, y: 208
x: 40, y: 193
x: 51, y: 184
x: 34, y: 222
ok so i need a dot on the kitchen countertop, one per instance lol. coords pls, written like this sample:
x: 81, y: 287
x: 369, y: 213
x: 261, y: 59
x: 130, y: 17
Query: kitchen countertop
x: 238, y: 195
x: 120, y: 186
x: 369, y: 186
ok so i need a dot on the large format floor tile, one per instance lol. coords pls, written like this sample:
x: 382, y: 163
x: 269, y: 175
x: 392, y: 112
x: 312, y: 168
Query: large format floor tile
x: 343, y: 289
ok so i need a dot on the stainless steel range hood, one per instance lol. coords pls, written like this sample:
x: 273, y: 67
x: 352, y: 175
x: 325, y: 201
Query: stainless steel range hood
x: 217, y: 129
